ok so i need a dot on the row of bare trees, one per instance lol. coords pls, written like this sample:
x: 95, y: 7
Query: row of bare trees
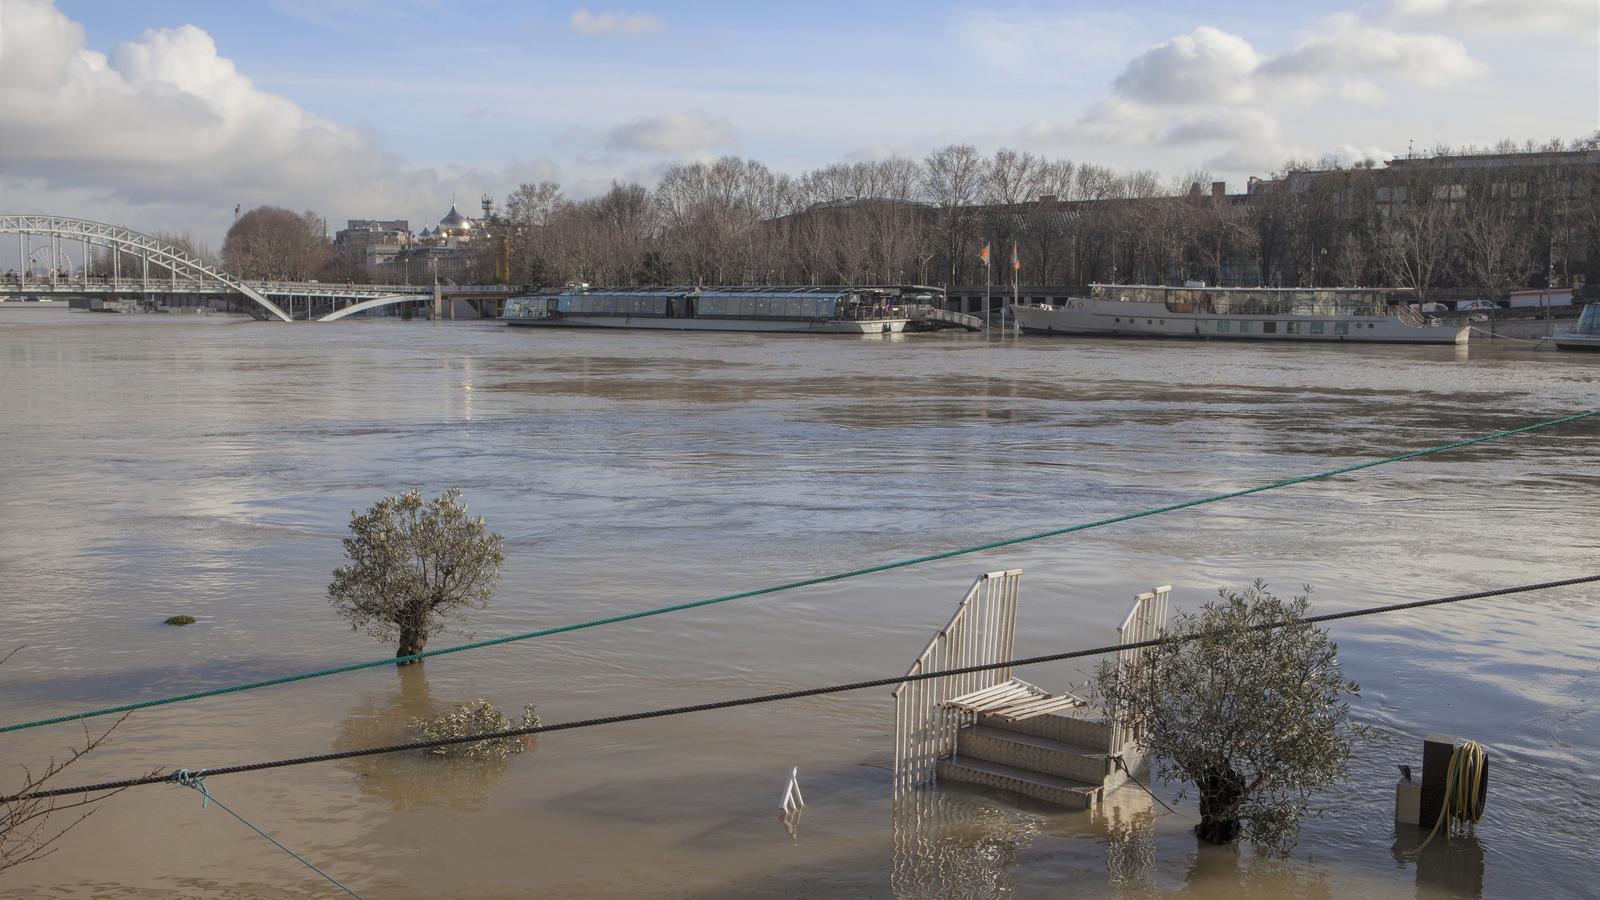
x: 1450, y: 221
x: 1422, y: 224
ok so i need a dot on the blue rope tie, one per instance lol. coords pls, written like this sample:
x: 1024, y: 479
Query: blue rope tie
x: 196, y: 780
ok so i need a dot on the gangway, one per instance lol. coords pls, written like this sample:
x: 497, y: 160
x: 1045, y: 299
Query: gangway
x: 934, y: 317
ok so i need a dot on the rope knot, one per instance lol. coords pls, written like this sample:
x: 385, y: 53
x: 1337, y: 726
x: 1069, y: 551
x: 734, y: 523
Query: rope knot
x: 196, y: 780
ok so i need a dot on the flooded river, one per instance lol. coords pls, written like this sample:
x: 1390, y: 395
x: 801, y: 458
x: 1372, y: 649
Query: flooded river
x: 155, y: 466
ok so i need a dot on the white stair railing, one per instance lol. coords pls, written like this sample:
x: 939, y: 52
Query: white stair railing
x: 1146, y: 621
x: 982, y: 631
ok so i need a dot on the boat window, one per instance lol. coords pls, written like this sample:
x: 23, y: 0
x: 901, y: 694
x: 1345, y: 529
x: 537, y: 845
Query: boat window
x: 1341, y: 328
x: 1589, y: 320
x: 1222, y: 324
x: 1269, y: 327
x: 1291, y: 327
x: 1246, y: 326
x: 1316, y: 327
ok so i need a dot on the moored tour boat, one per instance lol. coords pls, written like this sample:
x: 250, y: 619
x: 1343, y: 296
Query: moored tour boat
x: 1585, y: 335
x: 1331, y: 315
x: 834, y: 310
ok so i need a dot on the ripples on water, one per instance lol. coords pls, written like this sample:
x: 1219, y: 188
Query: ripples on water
x: 157, y: 466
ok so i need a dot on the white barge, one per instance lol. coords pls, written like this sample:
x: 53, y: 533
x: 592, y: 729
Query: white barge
x: 1327, y: 315
x: 805, y: 310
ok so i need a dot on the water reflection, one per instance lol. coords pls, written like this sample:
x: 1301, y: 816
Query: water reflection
x: 413, y: 780
x: 1128, y: 818
x: 1447, y: 867
x: 1237, y: 872
x: 948, y: 844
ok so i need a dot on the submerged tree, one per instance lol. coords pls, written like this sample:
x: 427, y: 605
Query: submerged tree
x: 1255, y: 718
x: 414, y: 566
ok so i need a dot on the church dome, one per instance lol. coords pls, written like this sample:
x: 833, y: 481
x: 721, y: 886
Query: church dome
x: 455, y: 221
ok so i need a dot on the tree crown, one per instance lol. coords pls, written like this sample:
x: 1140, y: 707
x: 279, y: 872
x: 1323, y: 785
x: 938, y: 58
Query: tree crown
x: 414, y: 565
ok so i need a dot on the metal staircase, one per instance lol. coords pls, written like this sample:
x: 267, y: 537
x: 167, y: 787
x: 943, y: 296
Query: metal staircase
x: 991, y: 729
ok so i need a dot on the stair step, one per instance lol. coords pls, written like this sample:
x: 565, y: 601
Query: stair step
x: 1032, y: 753
x: 1049, y: 788
x: 1071, y: 729
x: 1043, y: 743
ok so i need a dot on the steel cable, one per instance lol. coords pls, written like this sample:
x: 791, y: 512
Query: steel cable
x: 766, y: 698
x: 790, y: 585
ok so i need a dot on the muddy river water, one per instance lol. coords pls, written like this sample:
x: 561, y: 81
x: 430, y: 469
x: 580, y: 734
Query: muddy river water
x: 151, y: 466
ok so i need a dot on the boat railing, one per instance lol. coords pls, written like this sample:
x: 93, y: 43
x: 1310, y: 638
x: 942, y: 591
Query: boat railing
x: 1408, y: 315
x: 1256, y: 306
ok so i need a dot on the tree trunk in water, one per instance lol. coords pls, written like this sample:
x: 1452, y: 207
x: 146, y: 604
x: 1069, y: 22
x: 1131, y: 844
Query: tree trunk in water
x: 1219, y: 792
x: 412, y: 641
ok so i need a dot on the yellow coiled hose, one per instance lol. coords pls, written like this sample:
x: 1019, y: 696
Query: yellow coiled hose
x: 1463, y: 790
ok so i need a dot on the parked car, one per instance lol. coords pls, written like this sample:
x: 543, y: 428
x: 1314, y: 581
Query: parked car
x: 1477, y: 304
x: 1431, y: 307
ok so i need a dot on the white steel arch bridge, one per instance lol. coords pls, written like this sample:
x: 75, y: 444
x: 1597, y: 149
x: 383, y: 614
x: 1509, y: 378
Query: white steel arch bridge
x: 184, y: 274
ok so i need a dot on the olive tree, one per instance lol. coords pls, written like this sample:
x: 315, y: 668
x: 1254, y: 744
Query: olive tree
x: 1248, y: 707
x: 415, y: 565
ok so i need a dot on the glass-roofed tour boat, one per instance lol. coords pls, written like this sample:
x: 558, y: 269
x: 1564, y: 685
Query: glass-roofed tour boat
x: 1585, y: 335
x: 801, y: 310
x: 1365, y: 315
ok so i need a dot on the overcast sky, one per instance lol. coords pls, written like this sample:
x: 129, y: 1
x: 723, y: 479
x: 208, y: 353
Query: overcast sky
x: 163, y: 114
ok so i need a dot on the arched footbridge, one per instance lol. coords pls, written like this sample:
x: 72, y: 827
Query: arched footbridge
x: 178, y: 272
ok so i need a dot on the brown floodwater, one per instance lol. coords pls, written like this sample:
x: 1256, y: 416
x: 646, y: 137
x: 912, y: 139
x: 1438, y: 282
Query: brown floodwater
x: 151, y: 466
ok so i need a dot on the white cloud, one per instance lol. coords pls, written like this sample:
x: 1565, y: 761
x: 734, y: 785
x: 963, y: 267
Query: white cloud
x: 1112, y: 120
x: 1210, y: 87
x: 683, y: 132
x: 1349, y: 47
x: 1578, y: 18
x: 1207, y: 65
x: 165, y: 132
x: 1362, y: 92
x: 1223, y: 124
x: 613, y: 23
x: 1350, y: 153
x: 1254, y: 158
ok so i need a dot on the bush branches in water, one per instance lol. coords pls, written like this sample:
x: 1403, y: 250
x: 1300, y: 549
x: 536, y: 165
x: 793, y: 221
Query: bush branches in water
x: 1255, y: 719
x: 477, y: 717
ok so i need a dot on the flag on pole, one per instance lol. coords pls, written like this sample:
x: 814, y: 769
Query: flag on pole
x: 984, y: 254
x: 1015, y: 263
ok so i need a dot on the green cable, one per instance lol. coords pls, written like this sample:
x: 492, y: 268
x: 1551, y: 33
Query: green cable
x: 804, y: 582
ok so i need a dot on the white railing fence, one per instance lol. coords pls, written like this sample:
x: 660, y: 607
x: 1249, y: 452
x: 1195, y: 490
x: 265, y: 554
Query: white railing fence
x: 1146, y: 621
x: 982, y: 631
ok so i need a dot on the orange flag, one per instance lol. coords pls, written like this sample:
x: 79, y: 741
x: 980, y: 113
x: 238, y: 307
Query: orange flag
x: 1015, y: 263
x: 984, y: 254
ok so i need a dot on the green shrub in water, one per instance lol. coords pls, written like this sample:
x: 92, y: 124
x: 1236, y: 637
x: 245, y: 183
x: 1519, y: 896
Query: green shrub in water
x: 180, y: 620
x: 478, y: 717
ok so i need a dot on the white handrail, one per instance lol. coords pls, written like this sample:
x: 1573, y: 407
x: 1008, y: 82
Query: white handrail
x: 982, y: 631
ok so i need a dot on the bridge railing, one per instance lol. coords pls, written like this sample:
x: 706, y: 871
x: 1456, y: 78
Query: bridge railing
x: 163, y: 285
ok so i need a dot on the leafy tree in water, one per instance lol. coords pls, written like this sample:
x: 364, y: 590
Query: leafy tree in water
x: 1255, y: 719
x: 414, y: 566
